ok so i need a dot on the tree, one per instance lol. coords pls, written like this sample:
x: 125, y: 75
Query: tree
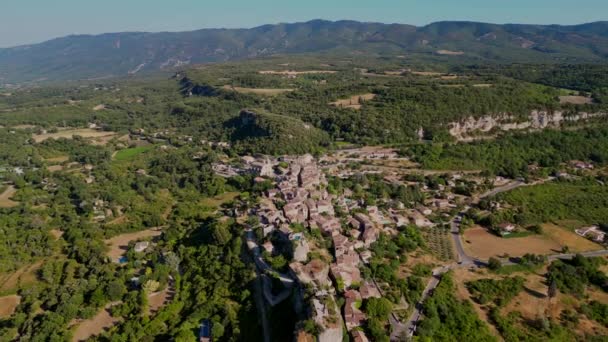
x: 150, y: 286
x: 494, y: 264
x: 379, y: 308
x: 116, y: 290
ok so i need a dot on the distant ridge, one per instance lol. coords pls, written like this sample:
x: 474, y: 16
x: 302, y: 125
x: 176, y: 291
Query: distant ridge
x: 120, y: 54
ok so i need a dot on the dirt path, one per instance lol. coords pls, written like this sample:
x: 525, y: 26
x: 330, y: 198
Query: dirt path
x: 159, y: 299
x: 96, y: 325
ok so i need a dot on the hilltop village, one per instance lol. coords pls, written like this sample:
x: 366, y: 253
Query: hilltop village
x: 327, y: 234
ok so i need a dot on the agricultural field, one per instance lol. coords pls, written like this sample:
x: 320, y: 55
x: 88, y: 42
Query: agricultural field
x: 354, y: 102
x: 130, y: 153
x: 574, y: 99
x: 481, y: 243
x: 293, y: 73
x: 439, y: 242
x: 91, y: 134
x: 259, y: 91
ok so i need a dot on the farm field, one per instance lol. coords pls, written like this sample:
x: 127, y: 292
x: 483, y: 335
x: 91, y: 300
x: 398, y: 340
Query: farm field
x: 295, y: 73
x: 572, y: 99
x: 57, y: 160
x: 54, y: 168
x: 259, y: 91
x: 69, y: 133
x: 5, y: 198
x: 353, y: 102
x: 439, y: 242
x: 130, y: 153
x: 8, y: 305
x: 568, y: 238
x: 118, y: 244
x: 480, y: 243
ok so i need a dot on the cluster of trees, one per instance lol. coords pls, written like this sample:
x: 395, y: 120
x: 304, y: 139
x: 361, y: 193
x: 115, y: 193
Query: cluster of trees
x: 514, y: 328
x: 375, y: 190
x: 197, y: 257
x: 378, y: 311
x: 584, y: 77
x: 574, y: 276
x: 448, y: 318
x: 596, y: 311
x: 389, y: 254
x: 585, y: 200
x: 498, y: 291
x: 511, y: 155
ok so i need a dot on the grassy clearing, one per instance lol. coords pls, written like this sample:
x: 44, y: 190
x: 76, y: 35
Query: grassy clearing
x: 118, y: 245
x: 5, y: 197
x: 215, y: 202
x: 567, y: 237
x: 353, y: 102
x: 57, y: 160
x: 259, y: 91
x: 95, y: 326
x: 130, y: 153
x: 295, y: 73
x: 69, y: 133
x: 579, y: 100
x: 483, y: 244
x: 8, y: 305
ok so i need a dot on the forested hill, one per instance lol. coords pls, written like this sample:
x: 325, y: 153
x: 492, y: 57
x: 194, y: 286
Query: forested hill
x: 119, y: 54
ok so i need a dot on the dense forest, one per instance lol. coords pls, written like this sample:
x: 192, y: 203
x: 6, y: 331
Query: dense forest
x: 205, y: 102
x: 513, y: 155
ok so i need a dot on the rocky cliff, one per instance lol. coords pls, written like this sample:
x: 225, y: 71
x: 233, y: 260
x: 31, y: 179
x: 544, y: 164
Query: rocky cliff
x: 463, y: 130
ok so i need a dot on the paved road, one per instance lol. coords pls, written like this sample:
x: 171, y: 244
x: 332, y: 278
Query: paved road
x: 507, y: 187
x: 461, y: 255
x: 464, y: 260
x: 410, y: 326
x: 512, y: 186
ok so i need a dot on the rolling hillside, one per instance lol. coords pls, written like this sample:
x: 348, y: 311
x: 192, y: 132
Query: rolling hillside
x: 121, y: 54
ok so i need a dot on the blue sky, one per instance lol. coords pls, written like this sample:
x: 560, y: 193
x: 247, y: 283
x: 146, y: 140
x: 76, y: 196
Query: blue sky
x: 31, y: 21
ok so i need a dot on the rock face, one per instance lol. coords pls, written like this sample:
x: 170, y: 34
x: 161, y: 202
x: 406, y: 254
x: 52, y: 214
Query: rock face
x: 507, y: 122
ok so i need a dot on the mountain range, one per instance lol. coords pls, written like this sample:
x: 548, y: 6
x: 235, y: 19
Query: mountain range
x: 121, y: 54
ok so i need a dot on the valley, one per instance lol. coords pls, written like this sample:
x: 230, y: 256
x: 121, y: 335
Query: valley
x: 348, y: 197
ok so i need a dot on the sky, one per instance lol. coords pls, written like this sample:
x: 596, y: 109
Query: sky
x: 33, y: 21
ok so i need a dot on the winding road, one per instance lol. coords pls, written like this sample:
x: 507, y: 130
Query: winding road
x: 464, y: 260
